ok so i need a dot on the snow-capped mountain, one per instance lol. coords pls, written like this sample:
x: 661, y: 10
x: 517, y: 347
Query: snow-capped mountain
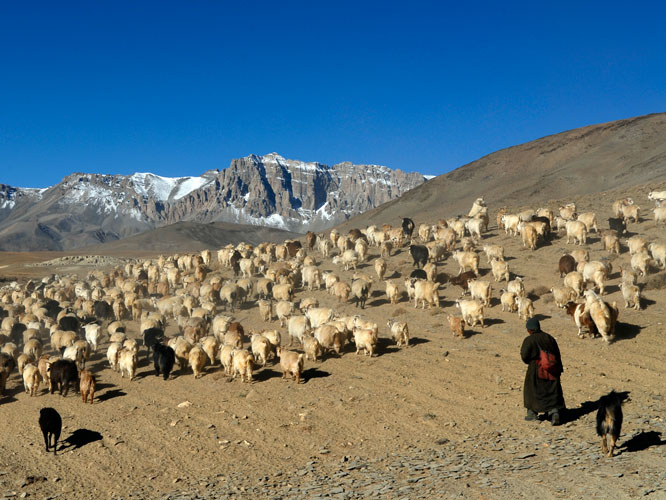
x: 268, y: 190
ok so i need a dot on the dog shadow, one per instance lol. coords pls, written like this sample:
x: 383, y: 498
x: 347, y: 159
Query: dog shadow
x: 587, y: 407
x: 642, y: 441
x: 541, y: 317
x: 417, y: 341
x: 79, y: 438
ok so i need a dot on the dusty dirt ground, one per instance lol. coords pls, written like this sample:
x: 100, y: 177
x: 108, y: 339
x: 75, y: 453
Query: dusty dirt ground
x: 442, y: 418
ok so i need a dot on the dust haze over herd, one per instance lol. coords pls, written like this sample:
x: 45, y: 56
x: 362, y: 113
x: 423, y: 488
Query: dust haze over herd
x: 350, y: 361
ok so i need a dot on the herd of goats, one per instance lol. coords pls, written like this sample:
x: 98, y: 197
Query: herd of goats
x: 50, y: 327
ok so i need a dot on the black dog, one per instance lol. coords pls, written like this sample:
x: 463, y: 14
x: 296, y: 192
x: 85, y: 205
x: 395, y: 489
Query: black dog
x: 163, y: 359
x: 609, y: 421
x: 51, y: 424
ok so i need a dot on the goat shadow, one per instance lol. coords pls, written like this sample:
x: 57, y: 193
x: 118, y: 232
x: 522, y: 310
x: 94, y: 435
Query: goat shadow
x: 470, y: 333
x: 378, y: 302
x: 266, y: 374
x: 642, y: 441
x: 312, y: 373
x: 145, y: 373
x: 626, y: 331
x: 115, y: 393
x: 384, y: 346
x: 494, y: 301
x: 79, y: 438
x: 102, y: 385
x: 573, y: 414
x: 492, y: 321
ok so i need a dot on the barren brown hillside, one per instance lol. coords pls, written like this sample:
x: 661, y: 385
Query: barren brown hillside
x: 583, y: 161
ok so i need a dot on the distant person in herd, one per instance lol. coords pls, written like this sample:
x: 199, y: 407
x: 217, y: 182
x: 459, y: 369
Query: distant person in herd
x: 542, y: 392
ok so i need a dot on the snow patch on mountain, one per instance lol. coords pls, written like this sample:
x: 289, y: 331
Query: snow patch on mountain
x: 188, y: 184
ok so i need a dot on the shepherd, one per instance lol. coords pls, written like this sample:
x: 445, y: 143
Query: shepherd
x: 542, y: 392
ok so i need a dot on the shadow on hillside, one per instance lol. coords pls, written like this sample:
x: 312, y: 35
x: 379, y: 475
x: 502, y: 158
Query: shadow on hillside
x: 626, y: 331
x: 645, y: 302
x: 642, y: 441
x: 470, y: 333
x: 541, y: 317
x: 493, y: 321
x: 417, y: 341
x: 378, y: 302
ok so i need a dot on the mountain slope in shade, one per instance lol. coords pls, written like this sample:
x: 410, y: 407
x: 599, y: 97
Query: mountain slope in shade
x: 191, y: 237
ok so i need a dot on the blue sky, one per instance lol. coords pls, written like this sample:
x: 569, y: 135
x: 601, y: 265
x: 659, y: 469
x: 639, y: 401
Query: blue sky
x: 177, y: 88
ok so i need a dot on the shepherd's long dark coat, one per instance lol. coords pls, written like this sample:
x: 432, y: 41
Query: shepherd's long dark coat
x: 540, y: 395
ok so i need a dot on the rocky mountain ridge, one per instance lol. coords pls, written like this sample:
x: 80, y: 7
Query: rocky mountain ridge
x: 85, y: 209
